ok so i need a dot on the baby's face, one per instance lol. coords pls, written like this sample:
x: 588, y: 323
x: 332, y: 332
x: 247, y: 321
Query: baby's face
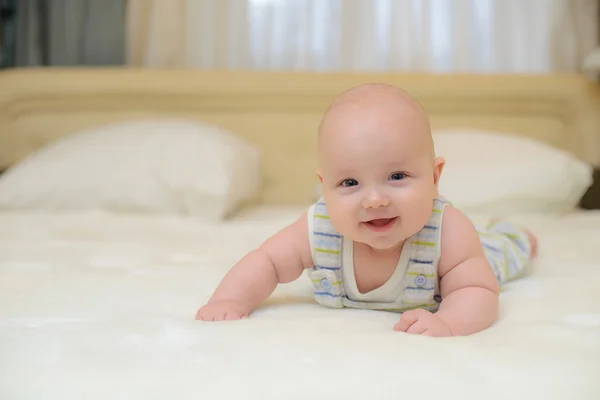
x: 379, y: 177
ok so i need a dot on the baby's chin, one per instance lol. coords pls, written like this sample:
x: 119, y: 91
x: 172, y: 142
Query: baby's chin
x: 383, y: 243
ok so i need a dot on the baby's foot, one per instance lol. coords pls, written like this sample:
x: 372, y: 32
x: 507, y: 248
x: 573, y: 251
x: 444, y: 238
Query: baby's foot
x: 534, y: 244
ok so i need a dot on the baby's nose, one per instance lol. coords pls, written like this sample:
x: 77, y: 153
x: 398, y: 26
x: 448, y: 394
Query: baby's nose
x: 376, y: 200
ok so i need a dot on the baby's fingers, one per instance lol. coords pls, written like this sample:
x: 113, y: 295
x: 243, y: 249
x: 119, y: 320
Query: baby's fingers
x: 200, y: 315
x: 417, y: 328
x: 232, y: 315
x: 406, y: 321
x: 210, y: 315
x: 205, y: 317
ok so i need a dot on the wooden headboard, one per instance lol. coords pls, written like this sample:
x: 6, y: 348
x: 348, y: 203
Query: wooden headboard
x: 279, y: 112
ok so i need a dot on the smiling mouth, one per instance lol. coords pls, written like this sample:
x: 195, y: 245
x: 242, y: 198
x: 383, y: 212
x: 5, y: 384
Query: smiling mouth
x: 380, y: 224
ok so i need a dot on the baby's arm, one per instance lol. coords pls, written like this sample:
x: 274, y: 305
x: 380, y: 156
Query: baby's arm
x: 468, y: 286
x: 280, y: 259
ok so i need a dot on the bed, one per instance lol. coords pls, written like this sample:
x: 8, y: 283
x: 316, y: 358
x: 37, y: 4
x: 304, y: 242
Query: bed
x: 100, y: 304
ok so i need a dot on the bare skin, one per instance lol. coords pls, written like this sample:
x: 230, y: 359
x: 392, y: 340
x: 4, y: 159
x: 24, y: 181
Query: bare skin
x: 376, y: 160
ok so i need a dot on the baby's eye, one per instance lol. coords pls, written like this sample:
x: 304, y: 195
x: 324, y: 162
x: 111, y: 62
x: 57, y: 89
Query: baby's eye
x: 397, y: 176
x: 349, y: 182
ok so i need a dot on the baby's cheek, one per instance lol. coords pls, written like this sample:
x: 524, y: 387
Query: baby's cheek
x: 422, y: 213
x: 342, y: 223
x: 339, y: 221
x: 416, y: 208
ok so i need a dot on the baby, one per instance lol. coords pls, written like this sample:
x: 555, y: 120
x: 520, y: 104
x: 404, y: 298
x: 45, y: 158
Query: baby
x: 375, y: 239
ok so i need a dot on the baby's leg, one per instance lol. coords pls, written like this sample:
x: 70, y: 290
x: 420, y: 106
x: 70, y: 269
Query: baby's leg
x: 533, y: 241
x: 508, y: 248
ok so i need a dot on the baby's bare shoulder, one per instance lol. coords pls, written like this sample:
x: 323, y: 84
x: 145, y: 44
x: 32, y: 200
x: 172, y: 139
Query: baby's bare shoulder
x: 459, y: 240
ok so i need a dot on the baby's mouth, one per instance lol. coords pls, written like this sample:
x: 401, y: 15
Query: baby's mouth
x: 380, y: 223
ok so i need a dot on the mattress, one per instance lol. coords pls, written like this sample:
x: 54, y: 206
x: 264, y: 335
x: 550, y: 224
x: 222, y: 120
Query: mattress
x: 101, y: 306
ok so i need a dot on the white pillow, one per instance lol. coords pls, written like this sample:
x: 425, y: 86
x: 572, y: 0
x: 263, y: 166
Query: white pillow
x: 504, y: 175
x: 165, y: 166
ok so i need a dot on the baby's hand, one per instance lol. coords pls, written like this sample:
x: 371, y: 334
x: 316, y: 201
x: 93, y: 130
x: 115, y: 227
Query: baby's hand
x: 422, y: 322
x: 222, y: 311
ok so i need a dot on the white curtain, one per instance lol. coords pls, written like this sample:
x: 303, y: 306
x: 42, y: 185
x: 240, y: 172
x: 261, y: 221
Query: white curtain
x: 482, y: 36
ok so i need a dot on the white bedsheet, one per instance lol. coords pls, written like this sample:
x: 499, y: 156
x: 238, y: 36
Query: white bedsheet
x: 102, y: 307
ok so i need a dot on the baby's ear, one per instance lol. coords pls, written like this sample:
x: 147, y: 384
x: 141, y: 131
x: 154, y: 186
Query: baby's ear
x: 438, y: 166
x: 319, y: 176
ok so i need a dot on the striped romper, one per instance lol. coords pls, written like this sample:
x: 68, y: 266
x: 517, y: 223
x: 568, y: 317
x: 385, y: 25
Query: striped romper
x: 414, y: 283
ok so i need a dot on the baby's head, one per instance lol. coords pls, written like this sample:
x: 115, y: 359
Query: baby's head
x: 377, y: 165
